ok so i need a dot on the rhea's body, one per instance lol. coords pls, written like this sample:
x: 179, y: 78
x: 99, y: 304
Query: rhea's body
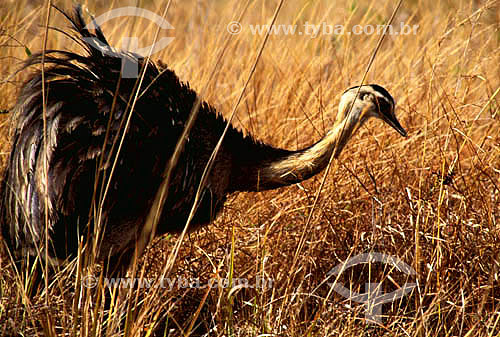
x: 88, y: 175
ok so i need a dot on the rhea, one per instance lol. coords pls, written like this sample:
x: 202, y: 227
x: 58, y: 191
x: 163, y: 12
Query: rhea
x: 87, y: 139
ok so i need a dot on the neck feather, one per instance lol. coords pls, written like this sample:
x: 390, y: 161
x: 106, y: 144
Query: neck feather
x: 269, y: 168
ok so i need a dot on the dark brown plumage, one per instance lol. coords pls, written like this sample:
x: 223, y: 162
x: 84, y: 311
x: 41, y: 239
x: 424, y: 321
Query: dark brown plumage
x: 85, y: 119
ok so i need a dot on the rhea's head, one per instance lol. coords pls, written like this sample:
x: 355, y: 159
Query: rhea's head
x: 358, y: 104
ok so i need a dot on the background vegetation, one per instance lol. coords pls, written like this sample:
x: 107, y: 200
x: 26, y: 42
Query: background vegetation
x: 432, y: 199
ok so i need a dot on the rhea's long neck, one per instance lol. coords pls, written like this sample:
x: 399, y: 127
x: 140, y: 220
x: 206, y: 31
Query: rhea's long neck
x: 258, y: 167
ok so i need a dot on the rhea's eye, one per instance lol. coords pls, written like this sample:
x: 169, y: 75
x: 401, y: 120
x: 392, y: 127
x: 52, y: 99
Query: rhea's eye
x: 364, y: 95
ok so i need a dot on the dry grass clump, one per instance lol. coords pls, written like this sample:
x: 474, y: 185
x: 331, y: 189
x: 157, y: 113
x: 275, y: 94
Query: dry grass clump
x: 432, y: 200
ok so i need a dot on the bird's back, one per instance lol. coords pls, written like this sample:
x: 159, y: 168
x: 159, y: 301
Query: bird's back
x: 86, y: 114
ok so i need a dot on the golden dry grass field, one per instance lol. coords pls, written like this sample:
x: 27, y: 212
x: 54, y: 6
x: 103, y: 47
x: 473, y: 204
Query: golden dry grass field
x: 431, y: 199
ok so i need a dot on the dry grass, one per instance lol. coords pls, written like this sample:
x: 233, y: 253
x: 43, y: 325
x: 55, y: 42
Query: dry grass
x: 433, y: 199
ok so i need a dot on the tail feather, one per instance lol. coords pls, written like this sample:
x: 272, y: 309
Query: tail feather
x: 78, y: 87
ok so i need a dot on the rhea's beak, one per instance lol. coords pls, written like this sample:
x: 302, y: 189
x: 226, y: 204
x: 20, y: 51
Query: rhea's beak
x: 393, y: 121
